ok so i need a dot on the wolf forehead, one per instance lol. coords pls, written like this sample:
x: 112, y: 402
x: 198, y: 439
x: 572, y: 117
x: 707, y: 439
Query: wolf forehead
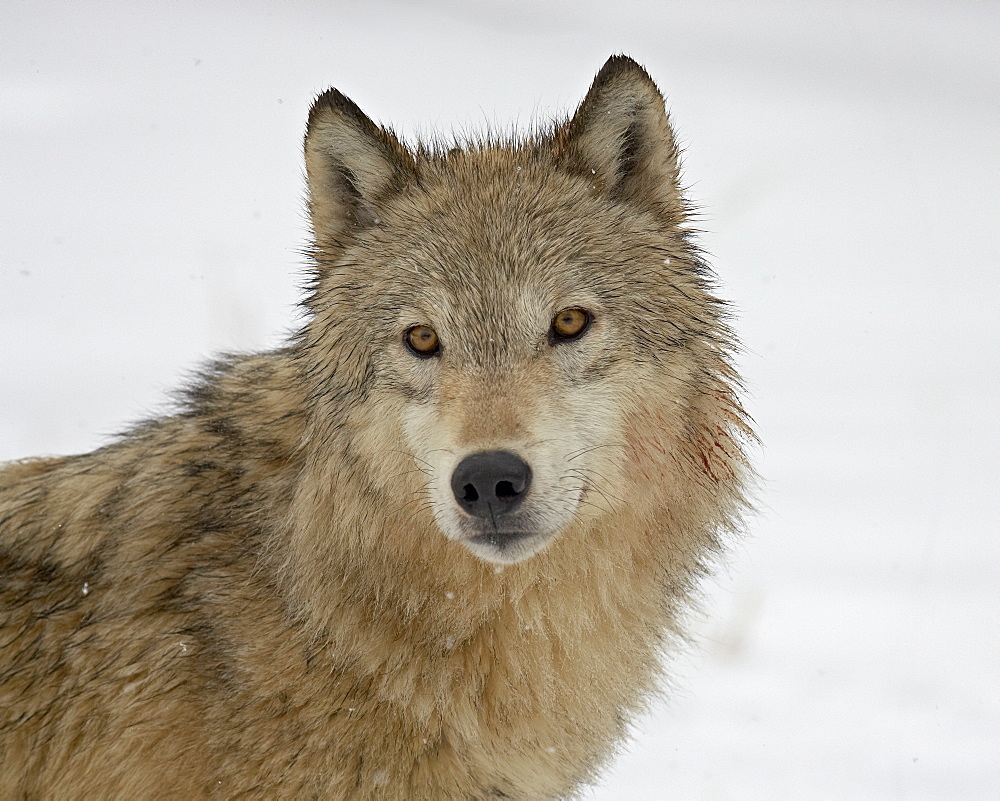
x: 499, y: 216
x: 488, y: 223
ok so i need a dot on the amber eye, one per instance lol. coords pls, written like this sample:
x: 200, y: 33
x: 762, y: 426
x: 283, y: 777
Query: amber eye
x: 422, y: 340
x: 570, y: 324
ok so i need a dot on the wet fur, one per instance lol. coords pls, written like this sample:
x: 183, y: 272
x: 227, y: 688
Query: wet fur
x: 267, y: 594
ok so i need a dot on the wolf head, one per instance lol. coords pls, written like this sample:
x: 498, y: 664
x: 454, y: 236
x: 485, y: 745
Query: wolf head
x: 512, y: 337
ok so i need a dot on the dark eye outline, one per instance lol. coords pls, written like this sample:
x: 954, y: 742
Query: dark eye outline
x: 421, y: 354
x: 555, y: 338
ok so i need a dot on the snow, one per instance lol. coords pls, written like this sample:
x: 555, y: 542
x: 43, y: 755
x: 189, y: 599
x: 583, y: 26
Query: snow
x: 846, y: 159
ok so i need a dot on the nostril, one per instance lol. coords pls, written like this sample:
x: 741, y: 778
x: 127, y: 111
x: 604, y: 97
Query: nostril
x: 505, y: 489
x: 469, y: 494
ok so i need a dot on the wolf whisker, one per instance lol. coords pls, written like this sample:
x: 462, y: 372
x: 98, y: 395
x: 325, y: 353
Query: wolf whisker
x: 577, y: 454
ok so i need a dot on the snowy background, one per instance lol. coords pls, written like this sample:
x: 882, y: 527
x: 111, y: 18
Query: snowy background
x: 847, y: 157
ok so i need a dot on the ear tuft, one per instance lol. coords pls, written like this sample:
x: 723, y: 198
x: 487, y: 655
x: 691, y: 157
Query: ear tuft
x: 620, y: 137
x: 620, y: 65
x: 352, y: 166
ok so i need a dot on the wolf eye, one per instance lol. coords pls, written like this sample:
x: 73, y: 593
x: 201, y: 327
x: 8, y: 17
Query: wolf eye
x: 422, y: 341
x: 569, y: 324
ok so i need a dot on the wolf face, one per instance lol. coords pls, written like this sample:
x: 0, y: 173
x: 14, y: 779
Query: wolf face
x: 518, y: 311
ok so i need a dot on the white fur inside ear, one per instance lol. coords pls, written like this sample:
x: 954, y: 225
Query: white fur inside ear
x: 604, y: 141
x: 336, y: 145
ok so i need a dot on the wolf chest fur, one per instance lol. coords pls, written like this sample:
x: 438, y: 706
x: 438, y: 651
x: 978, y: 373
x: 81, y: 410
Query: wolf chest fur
x: 435, y: 546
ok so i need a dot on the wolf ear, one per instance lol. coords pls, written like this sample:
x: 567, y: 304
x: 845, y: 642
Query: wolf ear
x: 352, y: 165
x: 620, y: 138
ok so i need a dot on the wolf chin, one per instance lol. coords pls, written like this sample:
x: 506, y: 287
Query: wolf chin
x: 436, y: 546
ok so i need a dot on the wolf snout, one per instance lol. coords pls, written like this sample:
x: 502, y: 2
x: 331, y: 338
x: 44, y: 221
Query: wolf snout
x: 491, y: 483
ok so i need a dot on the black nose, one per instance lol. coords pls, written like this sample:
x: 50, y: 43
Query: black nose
x: 491, y: 483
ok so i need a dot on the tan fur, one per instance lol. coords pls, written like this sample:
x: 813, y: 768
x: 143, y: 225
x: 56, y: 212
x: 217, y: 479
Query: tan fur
x: 273, y: 594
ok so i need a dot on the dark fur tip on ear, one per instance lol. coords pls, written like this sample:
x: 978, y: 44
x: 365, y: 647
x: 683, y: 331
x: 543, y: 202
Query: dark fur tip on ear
x: 334, y: 100
x: 618, y: 65
x: 624, y: 77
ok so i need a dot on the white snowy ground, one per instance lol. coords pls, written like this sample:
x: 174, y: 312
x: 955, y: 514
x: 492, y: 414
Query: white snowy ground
x: 847, y: 157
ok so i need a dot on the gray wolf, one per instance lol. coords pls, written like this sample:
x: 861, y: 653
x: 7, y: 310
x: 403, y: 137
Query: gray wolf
x: 433, y: 547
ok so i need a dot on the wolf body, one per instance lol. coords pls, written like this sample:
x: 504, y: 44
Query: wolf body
x: 434, y: 547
